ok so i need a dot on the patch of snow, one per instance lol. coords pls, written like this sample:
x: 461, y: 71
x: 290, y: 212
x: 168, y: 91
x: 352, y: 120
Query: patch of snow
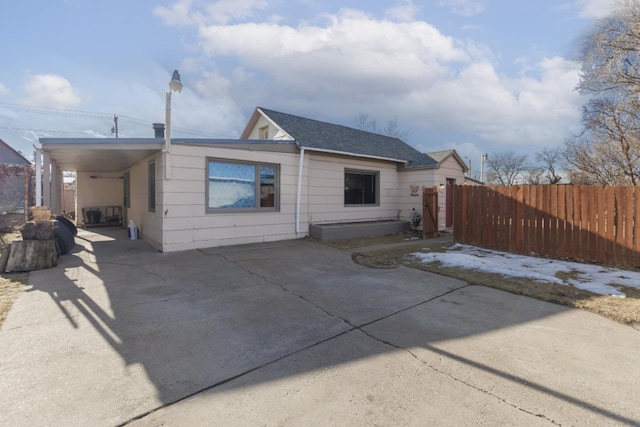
x: 593, y: 278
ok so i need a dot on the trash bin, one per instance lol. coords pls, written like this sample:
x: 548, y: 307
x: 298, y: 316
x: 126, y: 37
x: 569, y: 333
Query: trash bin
x: 93, y: 217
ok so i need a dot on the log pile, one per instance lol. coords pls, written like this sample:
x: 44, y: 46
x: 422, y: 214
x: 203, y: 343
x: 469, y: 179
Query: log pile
x: 36, y: 251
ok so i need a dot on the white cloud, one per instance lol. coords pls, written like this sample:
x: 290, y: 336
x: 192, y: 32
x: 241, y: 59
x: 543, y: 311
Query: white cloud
x: 50, y: 90
x: 405, y: 11
x: 595, y: 8
x: 463, y: 7
x: 3, y: 89
x: 352, y: 43
x: 178, y: 14
x: 351, y: 62
x: 535, y: 112
x: 184, y: 12
x: 222, y: 11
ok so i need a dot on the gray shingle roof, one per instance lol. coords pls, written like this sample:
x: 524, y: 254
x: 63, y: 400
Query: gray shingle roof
x: 314, y: 134
x: 11, y: 156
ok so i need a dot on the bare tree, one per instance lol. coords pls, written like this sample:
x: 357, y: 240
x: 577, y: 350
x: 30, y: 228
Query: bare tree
x: 611, y: 60
x: 364, y: 122
x: 608, y: 149
x: 534, y: 175
x: 506, y: 168
x: 548, y: 163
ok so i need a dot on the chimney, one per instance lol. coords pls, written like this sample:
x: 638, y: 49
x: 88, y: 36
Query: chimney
x: 158, y: 128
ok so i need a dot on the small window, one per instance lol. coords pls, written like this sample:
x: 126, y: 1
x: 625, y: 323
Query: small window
x: 263, y: 132
x: 126, y: 190
x: 152, y: 186
x: 361, y: 188
x: 241, y: 186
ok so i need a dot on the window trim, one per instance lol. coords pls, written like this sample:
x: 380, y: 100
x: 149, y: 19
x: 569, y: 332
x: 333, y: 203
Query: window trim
x: 151, y: 173
x: 374, y: 173
x: 257, y: 165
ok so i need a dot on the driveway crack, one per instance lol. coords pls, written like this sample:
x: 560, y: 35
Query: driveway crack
x: 456, y: 379
x: 351, y: 328
x: 289, y: 291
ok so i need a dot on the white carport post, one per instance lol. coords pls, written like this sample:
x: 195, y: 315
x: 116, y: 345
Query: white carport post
x: 56, y: 188
x: 38, y: 176
x: 46, y: 180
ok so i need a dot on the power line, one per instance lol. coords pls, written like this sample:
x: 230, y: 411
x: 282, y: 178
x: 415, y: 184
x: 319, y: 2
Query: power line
x: 55, y: 111
x: 83, y: 114
x: 42, y: 130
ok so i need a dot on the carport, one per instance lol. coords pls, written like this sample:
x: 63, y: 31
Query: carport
x: 94, y: 160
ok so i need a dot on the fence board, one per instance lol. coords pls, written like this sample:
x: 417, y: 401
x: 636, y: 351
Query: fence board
x: 518, y: 215
x: 562, y: 222
x: 619, y: 250
x: 553, y: 221
x: 590, y: 201
x: 539, y: 213
x: 636, y: 227
x: 585, y: 210
x: 628, y: 225
x: 590, y: 223
x: 576, y: 223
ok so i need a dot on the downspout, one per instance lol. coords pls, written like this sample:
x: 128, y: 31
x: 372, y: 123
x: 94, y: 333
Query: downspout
x: 299, y: 191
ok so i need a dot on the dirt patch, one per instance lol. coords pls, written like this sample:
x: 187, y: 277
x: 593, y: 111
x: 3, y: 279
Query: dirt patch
x: 10, y: 284
x: 360, y: 242
x: 623, y: 310
x: 10, y: 287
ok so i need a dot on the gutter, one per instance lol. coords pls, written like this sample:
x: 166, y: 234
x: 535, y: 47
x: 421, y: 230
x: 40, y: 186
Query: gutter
x: 299, y: 190
x: 345, y: 153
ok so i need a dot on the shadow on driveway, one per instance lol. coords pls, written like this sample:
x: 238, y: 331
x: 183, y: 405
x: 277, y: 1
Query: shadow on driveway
x: 119, y: 332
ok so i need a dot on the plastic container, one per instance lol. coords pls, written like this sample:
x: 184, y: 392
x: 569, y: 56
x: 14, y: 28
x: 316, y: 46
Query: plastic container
x: 132, y: 230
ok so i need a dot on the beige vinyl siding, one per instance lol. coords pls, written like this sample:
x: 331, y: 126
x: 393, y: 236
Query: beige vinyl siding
x: 105, y: 190
x: 326, y: 189
x: 449, y: 168
x: 149, y: 223
x: 407, y: 202
x: 186, y: 224
x: 274, y: 132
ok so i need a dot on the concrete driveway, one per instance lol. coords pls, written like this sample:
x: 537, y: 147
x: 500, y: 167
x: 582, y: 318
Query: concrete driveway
x: 295, y: 333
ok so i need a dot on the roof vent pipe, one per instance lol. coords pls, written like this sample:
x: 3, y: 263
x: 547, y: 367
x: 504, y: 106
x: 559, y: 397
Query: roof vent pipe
x: 158, y: 128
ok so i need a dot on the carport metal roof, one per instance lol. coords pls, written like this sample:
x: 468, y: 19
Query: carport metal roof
x: 99, y: 154
x: 119, y: 154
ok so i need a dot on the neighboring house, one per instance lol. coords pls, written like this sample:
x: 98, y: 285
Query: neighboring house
x: 16, y: 178
x: 284, y: 173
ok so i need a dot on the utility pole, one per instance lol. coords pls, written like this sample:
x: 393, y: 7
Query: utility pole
x: 114, y: 129
x: 482, y: 160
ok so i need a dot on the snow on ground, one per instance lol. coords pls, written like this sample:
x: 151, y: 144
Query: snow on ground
x: 594, y: 278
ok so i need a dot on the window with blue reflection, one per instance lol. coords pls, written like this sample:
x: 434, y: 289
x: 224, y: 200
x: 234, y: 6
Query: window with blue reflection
x: 241, y: 186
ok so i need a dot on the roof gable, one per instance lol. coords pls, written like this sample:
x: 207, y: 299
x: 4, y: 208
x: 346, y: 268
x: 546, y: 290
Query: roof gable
x: 441, y: 156
x: 321, y: 136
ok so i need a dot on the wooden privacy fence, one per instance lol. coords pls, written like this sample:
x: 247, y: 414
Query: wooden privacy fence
x: 429, y: 213
x: 589, y: 223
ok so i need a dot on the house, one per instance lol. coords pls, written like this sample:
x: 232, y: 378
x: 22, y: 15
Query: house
x: 452, y: 171
x: 284, y: 174
x: 16, y: 176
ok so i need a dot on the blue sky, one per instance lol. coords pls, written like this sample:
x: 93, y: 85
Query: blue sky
x: 475, y: 75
